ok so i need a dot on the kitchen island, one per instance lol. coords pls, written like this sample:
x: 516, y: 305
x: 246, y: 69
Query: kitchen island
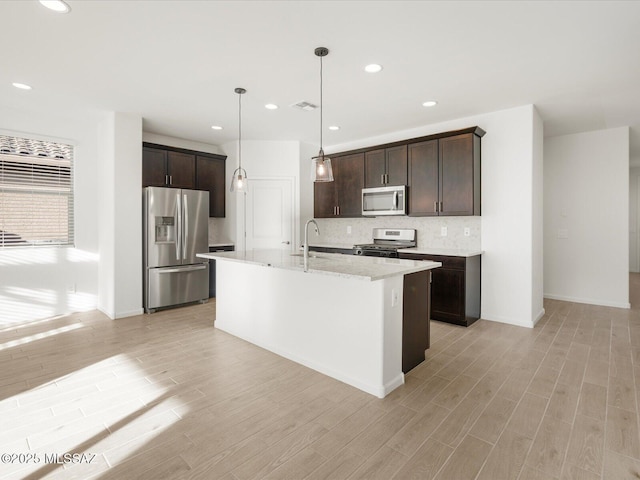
x: 361, y: 320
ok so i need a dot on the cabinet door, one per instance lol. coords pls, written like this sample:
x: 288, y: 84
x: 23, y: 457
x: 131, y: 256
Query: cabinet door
x: 348, y: 172
x: 396, y: 165
x: 423, y: 178
x: 181, y: 168
x: 457, y: 175
x: 211, y: 177
x: 154, y: 167
x: 324, y: 198
x: 374, y: 168
x: 448, y: 295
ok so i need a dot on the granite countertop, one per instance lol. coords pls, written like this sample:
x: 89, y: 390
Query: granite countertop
x: 347, y: 266
x: 451, y: 252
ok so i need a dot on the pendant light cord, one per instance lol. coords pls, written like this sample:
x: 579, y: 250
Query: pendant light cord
x: 321, y: 108
x: 240, y: 132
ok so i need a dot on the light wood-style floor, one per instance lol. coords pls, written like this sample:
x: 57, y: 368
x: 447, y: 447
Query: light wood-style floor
x: 168, y: 396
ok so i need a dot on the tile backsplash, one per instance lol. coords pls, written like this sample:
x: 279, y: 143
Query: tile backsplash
x: 428, y: 230
x: 216, y: 230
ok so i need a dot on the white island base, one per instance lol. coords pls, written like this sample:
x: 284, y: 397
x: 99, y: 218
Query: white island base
x: 346, y: 328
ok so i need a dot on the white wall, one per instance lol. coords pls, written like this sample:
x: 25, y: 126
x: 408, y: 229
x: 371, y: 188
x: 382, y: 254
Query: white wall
x: 586, y: 215
x: 634, y: 231
x: 41, y: 282
x: 261, y: 159
x: 181, y: 143
x: 120, y: 293
x: 537, y: 295
x: 509, y: 281
x: 307, y: 152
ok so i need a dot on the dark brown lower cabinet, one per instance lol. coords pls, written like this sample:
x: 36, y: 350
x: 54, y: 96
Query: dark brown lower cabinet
x: 212, y: 267
x: 415, y: 318
x: 455, y: 288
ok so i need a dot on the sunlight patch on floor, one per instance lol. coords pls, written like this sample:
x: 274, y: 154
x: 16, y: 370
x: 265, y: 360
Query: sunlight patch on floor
x: 39, y: 336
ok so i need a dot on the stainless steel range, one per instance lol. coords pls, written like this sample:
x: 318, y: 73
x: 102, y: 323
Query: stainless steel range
x: 386, y: 242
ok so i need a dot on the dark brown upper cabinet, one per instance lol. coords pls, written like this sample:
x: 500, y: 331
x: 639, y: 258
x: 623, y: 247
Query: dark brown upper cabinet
x: 460, y: 175
x: 442, y: 172
x: 343, y: 196
x: 154, y: 167
x: 165, y: 166
x: 181, y: 170
x: 444, y: 176
x: 423, y: 178
x: 385, y: 166
x: 210, y: 176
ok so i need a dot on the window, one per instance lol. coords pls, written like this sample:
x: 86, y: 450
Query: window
x: 36, y: 193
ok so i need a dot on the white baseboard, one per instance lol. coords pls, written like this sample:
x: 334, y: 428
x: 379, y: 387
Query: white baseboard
x: 588, y: 301
x: 509, y: 321
x: 539, y: 316
x: 129, y: 313
x: 115, y: 315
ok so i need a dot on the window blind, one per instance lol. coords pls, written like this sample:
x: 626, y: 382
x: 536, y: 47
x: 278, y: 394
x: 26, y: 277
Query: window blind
x: 36, y: 193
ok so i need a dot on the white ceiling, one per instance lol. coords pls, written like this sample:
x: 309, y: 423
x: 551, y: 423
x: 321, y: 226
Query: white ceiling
x: 177, y: 63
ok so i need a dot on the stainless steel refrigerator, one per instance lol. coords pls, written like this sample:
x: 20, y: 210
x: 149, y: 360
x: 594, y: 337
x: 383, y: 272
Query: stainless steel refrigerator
x: 176, y: 228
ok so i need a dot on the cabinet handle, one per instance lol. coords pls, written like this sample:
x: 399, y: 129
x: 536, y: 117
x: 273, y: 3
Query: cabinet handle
x: 170, y: 179
x: 338, y: 210
x: 382, y: 178
x: 386, y: 178
x: 166, y: 179
x: 441, y: 209
x: 435, y: 207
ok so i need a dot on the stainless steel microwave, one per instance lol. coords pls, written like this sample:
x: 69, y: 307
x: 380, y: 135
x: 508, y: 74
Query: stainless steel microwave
x: 384, y: 201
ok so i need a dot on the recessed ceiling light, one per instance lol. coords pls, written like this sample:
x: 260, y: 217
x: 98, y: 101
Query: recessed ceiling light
x: 334, y: 127
x: 271, y: 106
x: 57, y: 6
x: 216, y: 127
x: 373, y: 68
x: 430, y: 103
x: 21, y: 86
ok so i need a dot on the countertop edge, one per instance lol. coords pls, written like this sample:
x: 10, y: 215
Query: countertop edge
x: 424, y: 265
x: 441, y: 251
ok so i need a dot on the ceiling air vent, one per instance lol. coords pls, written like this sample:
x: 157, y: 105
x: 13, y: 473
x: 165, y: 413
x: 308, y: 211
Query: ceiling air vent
x: 306, y: 106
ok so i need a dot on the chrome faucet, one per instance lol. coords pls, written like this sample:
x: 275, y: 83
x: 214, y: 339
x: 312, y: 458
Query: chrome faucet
x: 305, y: 247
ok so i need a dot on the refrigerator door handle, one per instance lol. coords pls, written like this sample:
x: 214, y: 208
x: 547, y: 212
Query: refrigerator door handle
x: 182, y: 269
x: 178, y: 223
x: 185, y: 227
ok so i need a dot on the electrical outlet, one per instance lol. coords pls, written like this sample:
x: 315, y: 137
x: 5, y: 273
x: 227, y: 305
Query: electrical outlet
x: 348, y: 229
x: 394, y: 297
x: 443, y: 231
x: 467, y: 231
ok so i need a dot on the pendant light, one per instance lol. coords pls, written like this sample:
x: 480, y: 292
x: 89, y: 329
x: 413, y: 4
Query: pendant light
x: 321, y: 165
x: 239, y: 178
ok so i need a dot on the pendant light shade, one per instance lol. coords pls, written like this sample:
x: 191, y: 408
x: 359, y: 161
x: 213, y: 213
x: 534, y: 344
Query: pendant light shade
x: 321, y: 170
x: 239, y: 177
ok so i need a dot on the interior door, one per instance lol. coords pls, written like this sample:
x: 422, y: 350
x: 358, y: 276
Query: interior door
x: 270, y: 214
